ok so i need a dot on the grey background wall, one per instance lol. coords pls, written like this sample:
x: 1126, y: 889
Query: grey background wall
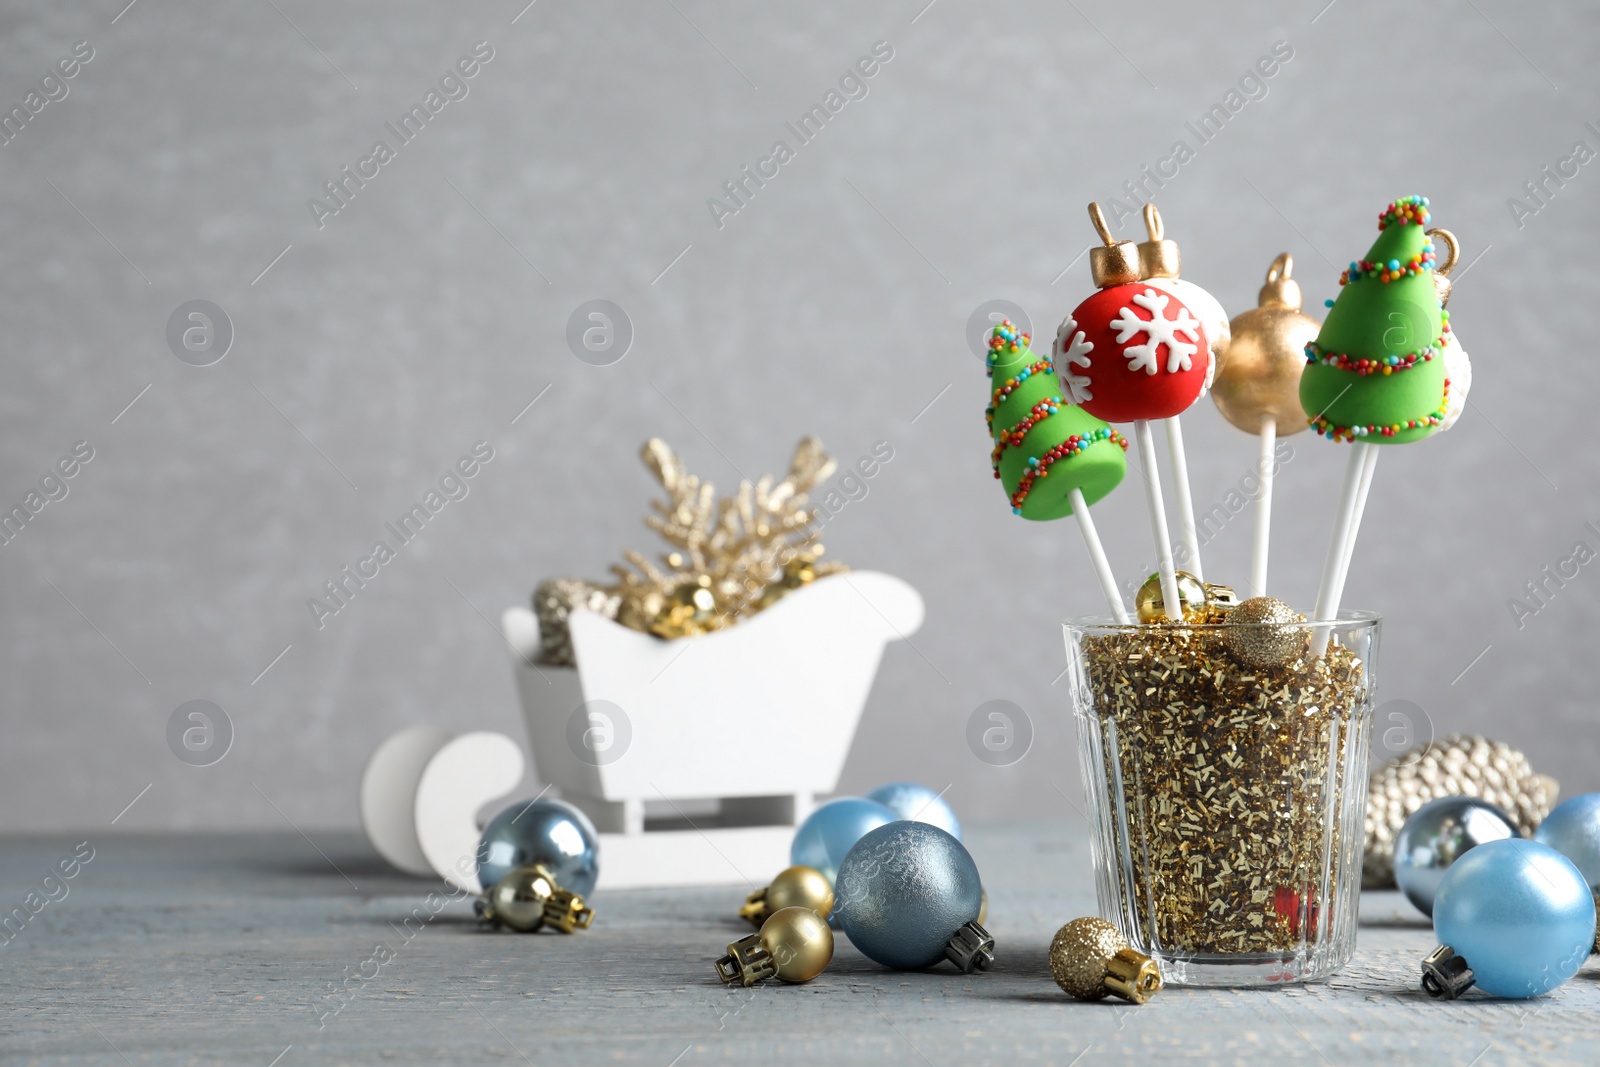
x: 372, y: 350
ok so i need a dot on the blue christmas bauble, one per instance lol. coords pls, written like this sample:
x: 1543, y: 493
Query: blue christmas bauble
x: 903, y: 892
x: 1573, y: 830
x: 918, y: 803
x: 830, y: 831
x: 1436, y: 835
x: 1519, y: 913
x: 551, y: 833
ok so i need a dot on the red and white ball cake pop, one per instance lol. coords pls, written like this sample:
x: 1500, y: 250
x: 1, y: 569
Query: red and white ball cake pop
x: 1132, y: 352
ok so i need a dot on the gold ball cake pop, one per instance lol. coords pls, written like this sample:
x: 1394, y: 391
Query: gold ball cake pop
x: 1260, y: 376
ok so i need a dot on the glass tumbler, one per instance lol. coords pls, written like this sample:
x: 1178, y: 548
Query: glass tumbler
x: 1226, y: 773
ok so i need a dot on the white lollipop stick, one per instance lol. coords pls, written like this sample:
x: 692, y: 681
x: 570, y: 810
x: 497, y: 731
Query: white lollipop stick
x: 1341, y: 542
x: 1264, y: 468
x: 1158, y: 519
x: 1097, y: 555
x: 1180, y: 487
x: 1367, y: 468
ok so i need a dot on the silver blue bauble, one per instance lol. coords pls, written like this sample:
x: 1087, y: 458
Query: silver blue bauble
x: 903, y: 892
x: 551, y: 833
x: 918, y: 803
x: 1519, y: 913
x: 830, y: 831
x: 1436, y: 835
x: 1573, y: 830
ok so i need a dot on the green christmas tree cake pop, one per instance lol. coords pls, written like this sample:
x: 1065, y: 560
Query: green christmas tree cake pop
x: 1376, y: 371
x: 1044, y: 447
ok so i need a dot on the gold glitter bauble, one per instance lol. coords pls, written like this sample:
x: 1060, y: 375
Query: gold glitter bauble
x: 1259, y: 376
x: 1152, y: 606
x: 1460, y: 765
x: 1263, y: 632
x: 1078, y: 956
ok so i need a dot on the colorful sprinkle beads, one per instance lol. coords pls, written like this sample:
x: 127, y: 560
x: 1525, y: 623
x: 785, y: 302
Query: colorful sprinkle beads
x: 1388, y: 272
x: 1013, y: 437
x: 1039, y: 466
x: 1007, y: 340
x: 1010, y: 386
x: 1350, y: 433
x: 1385, y: 365
x: 1408, y: 209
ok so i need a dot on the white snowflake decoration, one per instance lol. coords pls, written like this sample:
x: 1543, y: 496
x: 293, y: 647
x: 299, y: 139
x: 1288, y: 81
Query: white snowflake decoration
x: 1159, y: 330
x: 1072, y: 350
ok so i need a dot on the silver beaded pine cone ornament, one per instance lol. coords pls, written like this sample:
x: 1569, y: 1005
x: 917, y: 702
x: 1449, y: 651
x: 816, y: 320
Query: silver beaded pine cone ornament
x: 556, y: 599
x: 1460, y: 765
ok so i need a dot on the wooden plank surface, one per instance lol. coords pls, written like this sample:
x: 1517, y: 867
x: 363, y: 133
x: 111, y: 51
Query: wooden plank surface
x: 228, y: 950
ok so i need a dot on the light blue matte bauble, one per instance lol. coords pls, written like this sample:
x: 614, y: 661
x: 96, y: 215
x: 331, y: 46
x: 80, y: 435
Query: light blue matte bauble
x: 1519, y: 913
x: 904, y: 891
x: 918, y: 803
x: 830, y: 831
x: 1436, y: 835
x: 1573, y: 830
x: 548, y: 832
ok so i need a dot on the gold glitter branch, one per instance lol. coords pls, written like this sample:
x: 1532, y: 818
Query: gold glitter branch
x: 728, y: 558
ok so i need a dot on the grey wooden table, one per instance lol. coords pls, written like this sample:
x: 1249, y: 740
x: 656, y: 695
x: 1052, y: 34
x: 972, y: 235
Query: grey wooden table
x: 227, y: 950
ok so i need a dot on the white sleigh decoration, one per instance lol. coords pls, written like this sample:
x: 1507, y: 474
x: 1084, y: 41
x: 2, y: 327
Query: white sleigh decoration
x: 757, y: 717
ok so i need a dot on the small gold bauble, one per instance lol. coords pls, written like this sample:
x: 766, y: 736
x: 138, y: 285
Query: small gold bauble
x: 1259, y: 377
x: 519, y: 897
x: 1152, y: 606
x: 1090, y: 958
x: 800, y: 942
x: 639, y: 609
x: 800, y: 887
x: 1220, y: 599
x: 690, y: 609
x: 797, y: 573
x: 1078, y: 955
x: 983, y: 906
x: 1263, y: 632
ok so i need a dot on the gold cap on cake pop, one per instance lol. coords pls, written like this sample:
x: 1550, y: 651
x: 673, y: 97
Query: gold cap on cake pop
x: 1117, y: 262
x: 1443, y: 267
x: 1158, y: 257
x: 1280, y: 290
